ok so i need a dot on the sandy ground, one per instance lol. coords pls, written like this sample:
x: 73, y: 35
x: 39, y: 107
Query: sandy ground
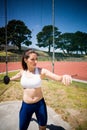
x: 9, y: 112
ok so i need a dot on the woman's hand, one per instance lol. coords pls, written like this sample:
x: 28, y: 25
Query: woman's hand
x: 66, y: 79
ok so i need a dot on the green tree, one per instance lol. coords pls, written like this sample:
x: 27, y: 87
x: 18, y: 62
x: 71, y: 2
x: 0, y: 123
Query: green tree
x: 45, y: 37
x: 64, y: 42
x: 85, y: 43
x: 79, y: 42
x: 2, y: 37
x: 70, y: 42
x: 17, y: 34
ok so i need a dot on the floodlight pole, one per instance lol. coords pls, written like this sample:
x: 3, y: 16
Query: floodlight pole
x: 53, y: 21
x: 6, y: 35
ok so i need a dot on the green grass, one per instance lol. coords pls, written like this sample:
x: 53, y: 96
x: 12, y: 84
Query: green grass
x: 73, y: 96
x: 3, y: 53
x: 69, y: 101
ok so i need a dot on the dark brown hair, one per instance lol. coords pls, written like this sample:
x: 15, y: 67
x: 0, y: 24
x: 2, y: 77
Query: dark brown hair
x: 26, y: 56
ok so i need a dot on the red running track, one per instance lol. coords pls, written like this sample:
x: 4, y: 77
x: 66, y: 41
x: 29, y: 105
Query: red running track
x: 73, y: 68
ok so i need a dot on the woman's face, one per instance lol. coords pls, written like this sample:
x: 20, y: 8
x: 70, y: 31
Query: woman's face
x: 32, y: 61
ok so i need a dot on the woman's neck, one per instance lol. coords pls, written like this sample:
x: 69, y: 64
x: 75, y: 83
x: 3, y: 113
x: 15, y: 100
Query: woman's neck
x: 31, y: 70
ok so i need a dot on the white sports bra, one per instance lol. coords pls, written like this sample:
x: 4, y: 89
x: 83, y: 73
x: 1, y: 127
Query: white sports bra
x: 32, y: 80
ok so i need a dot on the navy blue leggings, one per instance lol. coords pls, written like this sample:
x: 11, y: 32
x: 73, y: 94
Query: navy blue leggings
x: 27, y: 110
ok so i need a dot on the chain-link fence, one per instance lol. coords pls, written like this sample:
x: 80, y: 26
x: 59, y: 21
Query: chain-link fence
x: 42, y: 58
x: 18, y: 58
x: 10, y: 58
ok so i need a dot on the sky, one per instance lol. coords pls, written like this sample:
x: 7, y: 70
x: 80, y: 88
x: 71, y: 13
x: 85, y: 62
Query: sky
x: 69, y: 15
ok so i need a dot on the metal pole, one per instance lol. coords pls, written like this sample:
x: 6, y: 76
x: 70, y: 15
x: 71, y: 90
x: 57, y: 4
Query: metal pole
x: 6, y: 35
x: 53, y: 20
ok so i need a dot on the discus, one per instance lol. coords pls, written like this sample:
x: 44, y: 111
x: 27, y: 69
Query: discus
x: 6, y: 79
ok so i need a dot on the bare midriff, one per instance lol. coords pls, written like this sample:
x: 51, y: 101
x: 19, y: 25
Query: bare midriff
x: 32, y: 95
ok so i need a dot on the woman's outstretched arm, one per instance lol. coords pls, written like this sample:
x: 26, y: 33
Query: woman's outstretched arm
x: 65, y: 79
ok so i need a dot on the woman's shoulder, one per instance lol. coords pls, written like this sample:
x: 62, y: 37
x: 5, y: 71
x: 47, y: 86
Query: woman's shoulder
x: 43, y: 71
x: 21, y: 71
